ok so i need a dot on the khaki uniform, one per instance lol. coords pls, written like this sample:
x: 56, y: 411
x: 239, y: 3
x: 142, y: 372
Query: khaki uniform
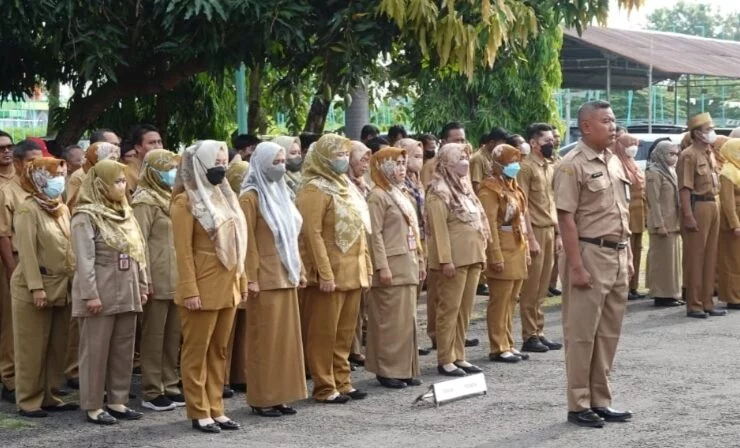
x: 71, y: 363
x: 453, y: 241
x: 729, y: 244
x: 106, y: 339
x: 4, y: 284
x: 664, y: 253
x: 535, y: 179
x: 205, y: 332
x: 392, y: 350
x: 696, y: 171
x: 332, y: 317
x: 46, y: 262
x: 478, y: 167
x: 427, y: 171
x: 73, y: 187
x: 274, y: 350
x: 160, y: 326
x: 593, y: 188
x: 11, y: 197
x: 638, y: 210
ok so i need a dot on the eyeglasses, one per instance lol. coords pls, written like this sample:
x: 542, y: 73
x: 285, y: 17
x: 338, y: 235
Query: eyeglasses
x: 7, y: 148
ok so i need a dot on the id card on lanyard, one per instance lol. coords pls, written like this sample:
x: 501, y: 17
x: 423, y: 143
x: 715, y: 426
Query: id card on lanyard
x: 124, y: 262
x: 411, y: 239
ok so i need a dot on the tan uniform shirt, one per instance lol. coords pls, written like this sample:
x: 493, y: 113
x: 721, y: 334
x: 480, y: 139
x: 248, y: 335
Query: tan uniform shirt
x: 503, y: 246
x: 638, y: 208
x: 392, y: 244
x: 427, y: 171
x: 729, y: 194
x: 477, y: 167
x: 451, y: 240
x: 594, y: 188
x: 73, y: 187
x: 161, y: 265
x: 45, y: 257
x: 11, y: 197
x: 535, y: 179
x: 98, y: 275
x: 662, y: 203
x: 697, y: 171
x: 321, y: 257
x: 199, y: 271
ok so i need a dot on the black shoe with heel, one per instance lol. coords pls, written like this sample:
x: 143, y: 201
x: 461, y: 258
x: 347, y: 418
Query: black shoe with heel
x: 285, y: 410
x: 211, y: 428
x: 266, y: 412
x: 229, y: 425
x: 390, y: 383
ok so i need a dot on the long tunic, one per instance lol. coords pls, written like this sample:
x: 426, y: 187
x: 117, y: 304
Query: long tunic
x: 729, y: 244
x: 664, y: 256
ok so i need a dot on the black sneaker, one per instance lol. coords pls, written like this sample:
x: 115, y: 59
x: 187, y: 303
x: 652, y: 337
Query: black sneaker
x: 161, y: 403
x: 178, y: 400
x: 482, y: 290
x: 534, y: 345
x: 552, y: 345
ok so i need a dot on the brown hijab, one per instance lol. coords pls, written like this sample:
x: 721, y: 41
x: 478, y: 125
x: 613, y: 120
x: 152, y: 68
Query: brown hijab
x: 36, y: 173
x: 507, y: 190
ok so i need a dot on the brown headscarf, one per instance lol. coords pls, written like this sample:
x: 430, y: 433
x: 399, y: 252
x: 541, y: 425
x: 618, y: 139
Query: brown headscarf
x: 716, y: 149
x: 633, y: 172
x: 35, y: 175
x: 455, y: 190
x: 100, y: 151
x: 382, y: 172
x: 358, y: 151
x: 507, y: 190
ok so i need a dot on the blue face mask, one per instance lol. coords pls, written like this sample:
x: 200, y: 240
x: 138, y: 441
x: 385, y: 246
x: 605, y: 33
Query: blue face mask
x: 340, y: 166
x: 168, y: 177
x: 511, y: 170
x: 54, y: 187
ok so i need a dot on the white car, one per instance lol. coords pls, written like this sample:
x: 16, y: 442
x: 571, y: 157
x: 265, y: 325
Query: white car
x: 646, y: 141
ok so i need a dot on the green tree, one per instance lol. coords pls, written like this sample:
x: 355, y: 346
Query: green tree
x: 696, y: 19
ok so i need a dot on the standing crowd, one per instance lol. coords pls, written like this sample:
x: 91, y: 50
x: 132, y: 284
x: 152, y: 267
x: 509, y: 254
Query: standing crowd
x: 253, y: 269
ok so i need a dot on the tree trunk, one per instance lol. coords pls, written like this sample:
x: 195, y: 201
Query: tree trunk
x: 254, y: 111
x: 160, y: 118
x: 54, y: 106
x: 357, y: 114
x: 317, y: 115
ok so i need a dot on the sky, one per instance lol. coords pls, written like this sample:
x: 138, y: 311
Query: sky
x: 638, y: 19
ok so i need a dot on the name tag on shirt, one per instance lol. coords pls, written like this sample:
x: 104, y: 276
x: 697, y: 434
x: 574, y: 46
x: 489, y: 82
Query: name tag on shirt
x: 124, y: 262
x: 597, y: 175
x: 715, y: 179
x: 411, y: 240
x: 627, y: 193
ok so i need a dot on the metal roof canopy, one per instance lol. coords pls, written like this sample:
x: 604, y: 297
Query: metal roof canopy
x: 605, y: 58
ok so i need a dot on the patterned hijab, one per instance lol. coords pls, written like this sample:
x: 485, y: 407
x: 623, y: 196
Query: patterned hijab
x: 731, y: 153
x: 382, y: 172
x: 100, y: 151
x: 507, y: 190
x: 216, y: 208
x: 35, y: 175
x: 456, y: 191
x: 276, y: 207
x: 351, y: 213
x: 633, y: 172
x: 659, y: 163
x: 151, y: 189
x: 235, y: 174
x: 292, y: 179
x: 113, y: 219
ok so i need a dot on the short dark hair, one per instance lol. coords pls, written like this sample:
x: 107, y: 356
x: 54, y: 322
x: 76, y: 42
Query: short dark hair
x: 5, y: 134
x: 137, y: 136
x: 536, y: 129
x: 99, y: 135
x: 68, y: 149
x: 376, y: 143
x: 426, y: 138
x: 451, y: 126
x: 232, y: 154
x: 485, y: 138
x: 590, y: 107
x: 369, y: 130
x: 511, y: 139
x: 397, y: 130
x: 23, y: 147
x: 306, y: 139
x: 498, y: 134
x: 126, y: 146
x: 243, y: 141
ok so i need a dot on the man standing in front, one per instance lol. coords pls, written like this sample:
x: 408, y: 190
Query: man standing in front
x: 591, y: 195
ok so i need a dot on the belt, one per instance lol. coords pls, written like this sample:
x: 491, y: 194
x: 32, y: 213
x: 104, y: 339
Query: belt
x: 703, y: 198
x: 601, y: 242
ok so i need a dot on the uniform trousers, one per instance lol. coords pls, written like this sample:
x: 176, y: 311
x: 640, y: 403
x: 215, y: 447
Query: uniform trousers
x: 7, y: 363
x: 432, y: 294
x: 700, y: 257
x: 500, y: 313
x: 534, y: 289
x: 454, y: 305
x: 160, y: 336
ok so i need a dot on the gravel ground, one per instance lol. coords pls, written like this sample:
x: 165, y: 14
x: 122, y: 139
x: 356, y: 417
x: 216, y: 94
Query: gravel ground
x: 676, y: 374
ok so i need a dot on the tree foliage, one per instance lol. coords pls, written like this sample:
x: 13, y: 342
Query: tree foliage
x: 696, y: 19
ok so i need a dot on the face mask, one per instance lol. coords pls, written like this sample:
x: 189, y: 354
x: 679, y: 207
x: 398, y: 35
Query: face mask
x: 631, y: 151
x: 710, y: 137
x: 294, y: 165
x: 54, y: 187
x: 511, y: 170
x: 275, y: 172
x: 525, y: 149
x: 547, y: 150
x: 414, y: 165
x: 340, y: 166
x: 462, y: 168
x: 429, y: 155
x: 216, y: 175
x: 168, y: 177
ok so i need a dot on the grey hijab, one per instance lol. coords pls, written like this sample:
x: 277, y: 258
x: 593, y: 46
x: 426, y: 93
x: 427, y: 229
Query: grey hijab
x: 659, y: 163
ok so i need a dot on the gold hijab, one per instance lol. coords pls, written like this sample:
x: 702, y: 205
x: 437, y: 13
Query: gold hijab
x: 731, y: 153
x: 112, y: 219
x: 151, y: 189
x: 36, y: 173
x: 235, y: 174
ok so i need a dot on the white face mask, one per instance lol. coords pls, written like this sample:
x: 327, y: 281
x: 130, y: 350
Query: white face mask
x: 710, y: 137
x: 525, y: 149
x: 631, y: 151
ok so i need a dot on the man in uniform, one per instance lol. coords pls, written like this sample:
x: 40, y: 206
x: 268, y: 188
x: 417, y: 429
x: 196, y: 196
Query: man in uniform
x: 698, y: 185
x: 591, y: 195
x: 553, y: 289
x: 535, y: 179
x: 11, y: 195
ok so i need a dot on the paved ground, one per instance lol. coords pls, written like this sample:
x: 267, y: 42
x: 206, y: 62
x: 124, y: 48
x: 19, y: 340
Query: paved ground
x: 679, y: 376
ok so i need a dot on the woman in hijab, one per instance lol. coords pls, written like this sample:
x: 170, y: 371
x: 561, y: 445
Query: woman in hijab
x: 274, y: 269
x: 109, y: 288
x: 93, y: 154
x: 40, y: 288
x: 457, y: 235
x: 508, y: 253
x: 729, y: 236
x: 336, y: 258
x: 626, y: 147
x: 664, y: 225
x: 717, y: 150
x: 160, y: 327
x: 235, y: 174
x: 211, y: 245
x: 293, y: 162
x: 395, y: 246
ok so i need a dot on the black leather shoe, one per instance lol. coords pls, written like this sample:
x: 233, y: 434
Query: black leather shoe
x: 424, y: 352
x: 8, y: 395
x: 36, y: 413
x: 212, y: 428
x: 391, y: 383
x: 285, y: 410
x: 356, y: 394
x: 587, y: 418
x: 266, y: 412
x: 697, y: 314
x: 339, y: 399
x: 457, y: 372
x: 636, y: 295
x: 534, y: 345
x: 471, y: 342
x: 612, y: 415
x: 356, y: 359
x: 129, y: 414
x: 733, y: 306
x: 524, y: 356
x: 508, y: 358
x: 228, y: 392
x: 64, y: 407
x: 73, y: 383
x: 716, y: 312
x: 472, y: 369
x: 554, y: 292
x: 412, y: 381
x: 667, y: 302
x: 103, y: 418
x: 482, y: 290
x: 239, y: 388
x: 229, y: 425
x: 552, y: 345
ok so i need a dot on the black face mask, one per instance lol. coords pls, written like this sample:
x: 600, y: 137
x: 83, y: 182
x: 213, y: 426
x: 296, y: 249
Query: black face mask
x: 216, y: 175
x: 429, y: 154
x: 547, y: 150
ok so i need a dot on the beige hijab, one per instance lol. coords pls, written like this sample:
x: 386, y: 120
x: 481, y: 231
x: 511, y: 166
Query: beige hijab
x: 216, y: 208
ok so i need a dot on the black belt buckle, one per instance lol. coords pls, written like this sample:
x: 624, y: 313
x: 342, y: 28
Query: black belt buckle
x: 621, y: 246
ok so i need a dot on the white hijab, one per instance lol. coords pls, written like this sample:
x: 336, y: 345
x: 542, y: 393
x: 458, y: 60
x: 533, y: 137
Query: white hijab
x: 276, y: 206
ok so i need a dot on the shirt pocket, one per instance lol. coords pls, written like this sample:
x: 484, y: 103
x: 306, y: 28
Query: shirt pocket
x: 597, y: 184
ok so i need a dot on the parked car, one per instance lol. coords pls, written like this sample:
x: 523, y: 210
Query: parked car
x: 646, y: 141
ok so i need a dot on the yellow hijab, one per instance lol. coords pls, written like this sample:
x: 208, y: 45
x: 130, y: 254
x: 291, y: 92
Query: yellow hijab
x: 731, y: 153
x: 235, y: 174
x: 151, y: 189
x: 112, y: 219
